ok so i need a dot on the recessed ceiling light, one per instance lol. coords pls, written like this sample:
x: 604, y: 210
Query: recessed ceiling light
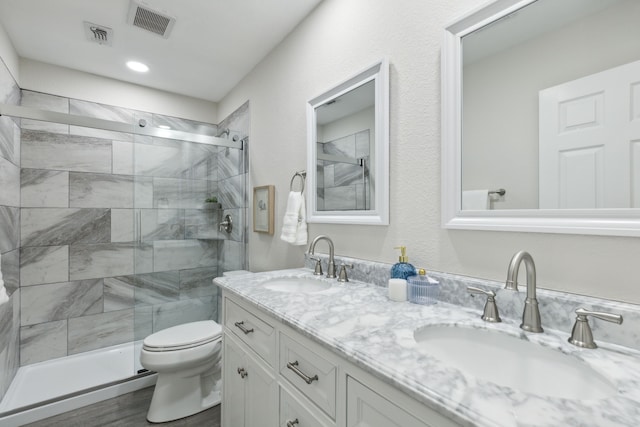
x: 137, y: 66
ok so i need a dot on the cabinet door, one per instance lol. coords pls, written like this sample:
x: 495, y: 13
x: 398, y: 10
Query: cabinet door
x: 233, y: 397
x: 261, y: 393
x: 365, y: 408
x: 292, y: 409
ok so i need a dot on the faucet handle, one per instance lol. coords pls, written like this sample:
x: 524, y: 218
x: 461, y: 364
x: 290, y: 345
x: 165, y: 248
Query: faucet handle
x: 581, y: 334
x: 317, y: 271
x: 342, y: 275
x: 490, y: 313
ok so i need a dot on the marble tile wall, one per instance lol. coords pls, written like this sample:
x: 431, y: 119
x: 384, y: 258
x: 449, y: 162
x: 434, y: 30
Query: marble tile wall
x: 10, y: 159
x: 115, y: 239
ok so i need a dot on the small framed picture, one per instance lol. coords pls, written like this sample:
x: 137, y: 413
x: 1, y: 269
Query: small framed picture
x: 263, y: 200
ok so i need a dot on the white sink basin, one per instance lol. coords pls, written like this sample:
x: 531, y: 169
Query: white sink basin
x: 303, y: 285
x: 513, y: 362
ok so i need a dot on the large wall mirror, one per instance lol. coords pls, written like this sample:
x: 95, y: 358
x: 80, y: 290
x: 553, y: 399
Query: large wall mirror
x: 541, y: 117
x: 348, y: 150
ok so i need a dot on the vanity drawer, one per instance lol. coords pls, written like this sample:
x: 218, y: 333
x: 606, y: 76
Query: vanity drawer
x: 291, y: 409
x: 253, y: 331
x: 309, y: 372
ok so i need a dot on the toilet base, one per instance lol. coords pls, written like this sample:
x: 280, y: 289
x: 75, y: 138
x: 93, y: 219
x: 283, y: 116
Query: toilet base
x: 176, y: 396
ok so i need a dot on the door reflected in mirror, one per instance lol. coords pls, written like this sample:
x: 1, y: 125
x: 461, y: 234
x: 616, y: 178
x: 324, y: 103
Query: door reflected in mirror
x: 548, y: 97
x: 541, y: 98
x: 348, y: 151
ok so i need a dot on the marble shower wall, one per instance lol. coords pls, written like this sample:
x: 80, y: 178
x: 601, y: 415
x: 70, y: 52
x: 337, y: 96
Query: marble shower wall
x: 116, y: 240
x: 9, y: 231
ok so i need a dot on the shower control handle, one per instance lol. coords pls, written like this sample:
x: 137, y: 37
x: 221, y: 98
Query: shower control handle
x: 240, y: 325
x: 227, y: 224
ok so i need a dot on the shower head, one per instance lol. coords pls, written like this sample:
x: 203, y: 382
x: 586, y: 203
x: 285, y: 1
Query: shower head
x: 224, y: 132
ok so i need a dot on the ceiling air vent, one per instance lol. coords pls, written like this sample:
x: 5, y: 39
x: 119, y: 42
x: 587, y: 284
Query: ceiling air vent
x: 142, y: 16
x: 98, y: 33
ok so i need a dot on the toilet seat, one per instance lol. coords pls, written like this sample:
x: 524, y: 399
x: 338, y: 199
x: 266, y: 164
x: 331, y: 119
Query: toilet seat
x: 182, y: 337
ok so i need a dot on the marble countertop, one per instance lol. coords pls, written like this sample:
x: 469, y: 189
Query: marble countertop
x: 357, y: 321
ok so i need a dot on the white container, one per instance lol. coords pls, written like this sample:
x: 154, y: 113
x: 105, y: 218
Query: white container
x: 397, y: 289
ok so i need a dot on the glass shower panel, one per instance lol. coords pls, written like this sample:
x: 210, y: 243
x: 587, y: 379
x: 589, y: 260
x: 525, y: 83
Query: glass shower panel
x: 177, y: 210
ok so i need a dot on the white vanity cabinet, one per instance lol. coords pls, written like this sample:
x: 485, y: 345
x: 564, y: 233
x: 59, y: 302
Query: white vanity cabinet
x: 291, y: 381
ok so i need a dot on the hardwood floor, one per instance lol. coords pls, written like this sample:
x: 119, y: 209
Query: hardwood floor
x: 124, y: 411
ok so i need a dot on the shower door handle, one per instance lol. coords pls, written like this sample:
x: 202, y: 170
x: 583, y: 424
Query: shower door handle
x: 139, y: 226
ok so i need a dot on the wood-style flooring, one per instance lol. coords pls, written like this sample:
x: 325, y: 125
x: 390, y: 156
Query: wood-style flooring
x: 124, y: 411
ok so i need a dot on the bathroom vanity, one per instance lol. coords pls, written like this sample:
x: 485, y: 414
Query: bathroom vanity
x: 306, y: 351
x: 274, y: 375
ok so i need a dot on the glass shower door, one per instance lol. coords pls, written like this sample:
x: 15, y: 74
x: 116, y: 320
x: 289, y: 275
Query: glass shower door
x: 179, y: 247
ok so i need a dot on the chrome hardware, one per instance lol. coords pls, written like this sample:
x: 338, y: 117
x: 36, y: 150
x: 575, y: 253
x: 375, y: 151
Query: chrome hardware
x: 490, y: 308
x: 226, y: 225
x: 302, y: 175
x: 531, y: 313
x: 294, y: 367
x: 242, y: 328
x: 243, y: 373
x: 581, y: 334
x: 317, y: 271
x: 342, y: 275
x: 292, y: 423
x: 331, y: 267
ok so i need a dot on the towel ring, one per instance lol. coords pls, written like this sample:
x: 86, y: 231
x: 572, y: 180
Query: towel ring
x: 302, y: 176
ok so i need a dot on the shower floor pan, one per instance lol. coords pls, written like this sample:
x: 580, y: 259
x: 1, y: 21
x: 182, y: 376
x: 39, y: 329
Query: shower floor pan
x: 49, y: 388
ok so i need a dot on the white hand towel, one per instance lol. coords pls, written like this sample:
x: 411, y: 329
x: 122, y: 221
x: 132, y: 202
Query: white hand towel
x: 294, y: 223
x: 475, y: 200
x: 301, y: 230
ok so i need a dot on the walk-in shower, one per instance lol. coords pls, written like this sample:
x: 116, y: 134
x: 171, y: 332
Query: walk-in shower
x: 114, y: 241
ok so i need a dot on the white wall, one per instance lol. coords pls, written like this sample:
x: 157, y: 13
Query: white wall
x: 356, y: 122
x: 52, y: 79
x: 8, y: 55
x: 341, y: 37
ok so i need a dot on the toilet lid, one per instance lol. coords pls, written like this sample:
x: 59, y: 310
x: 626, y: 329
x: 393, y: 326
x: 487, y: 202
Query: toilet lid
x: 183, y: 336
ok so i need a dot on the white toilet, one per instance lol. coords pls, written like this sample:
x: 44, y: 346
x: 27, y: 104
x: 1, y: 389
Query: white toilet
x: 187, y: 360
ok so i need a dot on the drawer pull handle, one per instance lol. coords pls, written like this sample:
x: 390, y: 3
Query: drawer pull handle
x: 242, y: 328
x: 294, y: 367
x: 242, y: 372
x: 292, y: 423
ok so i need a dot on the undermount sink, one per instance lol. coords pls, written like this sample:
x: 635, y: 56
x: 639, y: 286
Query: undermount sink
x: 513, y: 362
x: 303, y: 285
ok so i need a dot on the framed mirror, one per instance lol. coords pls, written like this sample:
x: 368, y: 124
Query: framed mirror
x: 541, y: 118
x: 348, y: 150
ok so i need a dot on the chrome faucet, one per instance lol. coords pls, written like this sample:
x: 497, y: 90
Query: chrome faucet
x: 531, y: 313
x: 331, y: 267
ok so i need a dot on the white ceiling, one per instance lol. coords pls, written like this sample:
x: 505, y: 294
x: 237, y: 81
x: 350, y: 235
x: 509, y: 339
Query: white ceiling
x: 213, y: 45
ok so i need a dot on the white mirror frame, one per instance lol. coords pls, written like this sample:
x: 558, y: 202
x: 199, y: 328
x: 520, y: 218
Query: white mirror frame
x: 379, y: 73
x: 612, y: 222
